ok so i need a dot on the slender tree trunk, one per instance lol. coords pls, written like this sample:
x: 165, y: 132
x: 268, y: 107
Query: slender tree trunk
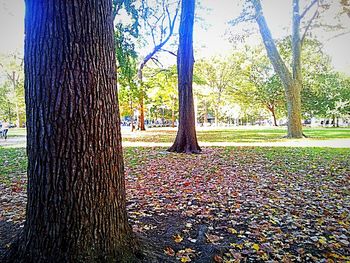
x: 142, y: 113
x: 273, y: 113
x: 173, y: 113
x: 132, y: 126
x: 18, y: 122
x: 141, y: 117
x: 76, y: 209
x: 205, y: 115
x: 216, y: 117
x: 14, y: 86
x: 141, y: 123
x: 293, y: 98
x: 186, y: 138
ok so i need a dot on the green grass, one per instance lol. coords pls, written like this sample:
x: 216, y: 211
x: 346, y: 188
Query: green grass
x: 306, y: 159
x: 13, y: 163
x: 14, y: 132
x: 237, y: 134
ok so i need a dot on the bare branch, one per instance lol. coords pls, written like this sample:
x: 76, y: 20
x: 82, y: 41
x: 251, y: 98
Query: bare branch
x: 162, y: 42
x: 170, y: 52
x: 270, y: 45
x: 309, y: 24
x: 117, y: 5
x: 6, y: 73
x: 157, y: 62
x: 338, y: 35
x: 308, y: 8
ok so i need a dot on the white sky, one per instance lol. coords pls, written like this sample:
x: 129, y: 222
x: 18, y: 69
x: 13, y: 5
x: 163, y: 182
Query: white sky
x: 208, y: 42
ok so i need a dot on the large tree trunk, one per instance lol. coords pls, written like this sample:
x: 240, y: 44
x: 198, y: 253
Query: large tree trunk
x: 293, y: 98
x: 186, y: 139
x: 76, y: 209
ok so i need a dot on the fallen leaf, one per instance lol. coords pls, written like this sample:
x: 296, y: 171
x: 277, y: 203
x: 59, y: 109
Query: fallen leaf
x: 185, y: 259
x: 177, y: 238
x: 232, y: 230
x: 218, y: 259
x: 169, y: 251
x: 255, y: 246
x: 212, y: 238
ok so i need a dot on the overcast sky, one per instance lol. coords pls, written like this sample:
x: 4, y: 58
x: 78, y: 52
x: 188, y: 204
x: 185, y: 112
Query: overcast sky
x: 208, y: 41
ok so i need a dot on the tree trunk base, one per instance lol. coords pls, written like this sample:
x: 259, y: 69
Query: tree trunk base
x: 126, y: 253
x: 291, y: 137
x: 185, y: 149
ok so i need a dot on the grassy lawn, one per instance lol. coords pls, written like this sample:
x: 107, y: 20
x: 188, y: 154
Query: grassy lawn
x: 239, y: 134
x: 14, y: 132
x: 13, y: 163
x: 236, y: 134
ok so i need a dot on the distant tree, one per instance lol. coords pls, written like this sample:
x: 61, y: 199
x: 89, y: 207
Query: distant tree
x: 163, y: 91
x: 267, y: 89
x: 186, y: 138
x: 291, y: 80
x: 332, y: 95
x: 12, y: 91
x: 126, y: 34
x: 160, y: 24
x: 76, y: 208
x: 217, y: 74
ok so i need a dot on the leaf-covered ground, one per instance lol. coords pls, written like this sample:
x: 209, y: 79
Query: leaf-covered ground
x: 232, y: 204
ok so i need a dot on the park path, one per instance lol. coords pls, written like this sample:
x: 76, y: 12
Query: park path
x: 20, y: 141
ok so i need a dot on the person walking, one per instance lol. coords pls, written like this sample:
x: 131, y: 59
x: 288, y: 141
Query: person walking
x: 5, y: 128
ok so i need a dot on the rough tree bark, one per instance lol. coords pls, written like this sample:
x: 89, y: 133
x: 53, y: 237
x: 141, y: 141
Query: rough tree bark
x: 186, y: 139
x: 76, y: 209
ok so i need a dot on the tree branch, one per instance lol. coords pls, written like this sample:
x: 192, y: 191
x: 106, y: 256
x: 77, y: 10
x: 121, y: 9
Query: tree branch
x: 157, y: 62
x: 170, y: 52
x: 338, y: 35
x: 296, y: 42
x: 117, y: 5
x: 6, y: 73
x: 161, y: 44
x: 309, y: 24
x: 308, y: 8
x: 272, y: 52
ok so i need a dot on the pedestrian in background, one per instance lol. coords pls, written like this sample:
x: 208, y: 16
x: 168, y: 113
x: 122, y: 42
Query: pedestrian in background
x: 5, y: 129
